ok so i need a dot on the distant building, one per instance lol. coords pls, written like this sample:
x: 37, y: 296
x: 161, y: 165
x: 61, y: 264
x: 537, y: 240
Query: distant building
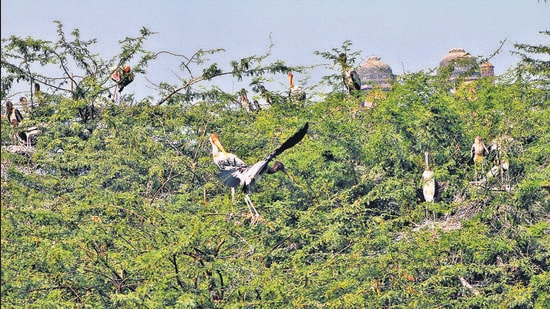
x: 375, y: 73
x: 462, y: 64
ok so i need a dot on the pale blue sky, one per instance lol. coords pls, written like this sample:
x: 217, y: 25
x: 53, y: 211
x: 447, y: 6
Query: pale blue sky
x: 408, y: 35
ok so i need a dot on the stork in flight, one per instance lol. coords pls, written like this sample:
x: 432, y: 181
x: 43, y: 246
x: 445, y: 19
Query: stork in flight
x: 295, y: 93
x: 225, y: 160
x: 248, y: 176
x: 478, y: 153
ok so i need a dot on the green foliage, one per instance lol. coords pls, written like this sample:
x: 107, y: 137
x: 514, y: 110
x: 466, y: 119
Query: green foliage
x: 124, y: 210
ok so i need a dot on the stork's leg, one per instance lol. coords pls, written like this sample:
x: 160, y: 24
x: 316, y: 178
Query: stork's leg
x: 253, y: 212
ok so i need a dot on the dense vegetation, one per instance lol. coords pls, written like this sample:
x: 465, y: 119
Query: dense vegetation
x: 124, y: 209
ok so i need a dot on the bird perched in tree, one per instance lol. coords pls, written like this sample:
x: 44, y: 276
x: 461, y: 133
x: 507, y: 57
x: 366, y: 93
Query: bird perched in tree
x: 23, y: 102
x: 478, y: 153
x: 245, y: 102
x: 28, y: 136
x: 352, y: 80
x: 295, y: 93
x: 267, y: 95
x: 247, y: 177
x: 122, y: 76
x: 429, y: 183
x: 349, y: 75
x: 14, y: 115
x: 225, y: 160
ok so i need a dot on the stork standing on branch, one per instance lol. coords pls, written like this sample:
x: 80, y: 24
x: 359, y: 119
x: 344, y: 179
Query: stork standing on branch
x: 14, y: 115
x: 478, y: 153
x: 349, y: 75
x: 428, y: 181
x: 248, y: 176
x: 225, y: 160
x: 295, y: 93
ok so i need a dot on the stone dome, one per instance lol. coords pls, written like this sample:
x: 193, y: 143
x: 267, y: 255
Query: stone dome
x: 374, y: 72
x: 461, y: 61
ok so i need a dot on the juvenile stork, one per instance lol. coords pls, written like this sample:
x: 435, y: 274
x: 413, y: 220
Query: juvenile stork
x: 14, y: 115
x: 478, y: 153
x: 295, y: 93
x: 225, y: 160
x: 247, y: 177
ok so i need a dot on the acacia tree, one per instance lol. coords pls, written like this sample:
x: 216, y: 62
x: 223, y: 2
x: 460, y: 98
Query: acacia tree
x: 125, y: 210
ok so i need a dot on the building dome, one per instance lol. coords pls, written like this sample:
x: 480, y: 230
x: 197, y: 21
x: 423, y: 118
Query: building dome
x: 461, y: 62
x: 374, y: 72
x: 487, y: 69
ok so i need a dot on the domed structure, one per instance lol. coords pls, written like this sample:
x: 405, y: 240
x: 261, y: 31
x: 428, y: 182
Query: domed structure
x: 487, y: 69
x: 461, y: 62
x: 375, y: 73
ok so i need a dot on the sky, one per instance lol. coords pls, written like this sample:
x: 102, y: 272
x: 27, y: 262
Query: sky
x: 408, y: 35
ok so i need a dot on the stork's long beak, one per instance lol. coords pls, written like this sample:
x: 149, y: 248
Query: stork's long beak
x: 220, y: 147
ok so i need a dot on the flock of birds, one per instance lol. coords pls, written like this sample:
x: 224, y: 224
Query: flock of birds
x: 234, y: 172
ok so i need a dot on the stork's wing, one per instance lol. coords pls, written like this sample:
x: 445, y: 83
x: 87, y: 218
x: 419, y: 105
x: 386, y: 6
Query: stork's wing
x: 293, y: 140
x: 230, y: 178
x: 356, y: 80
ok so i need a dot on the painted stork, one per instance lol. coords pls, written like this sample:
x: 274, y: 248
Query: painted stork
x: 295, y: 93
x: 23, y: 102
x: 267, y: 95
x: 14, y: 115
x: 478, y: 153
x: 429, y: 183
x: 28, y: 136
x: 352, y: 80
x: 498, y: 152
x: 247, y: 177
x: 225, y: 160
x: 349, y: 75
x: 123, y: 77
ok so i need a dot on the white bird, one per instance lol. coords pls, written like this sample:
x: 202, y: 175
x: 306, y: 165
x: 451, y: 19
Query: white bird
x: 428, y: 181
x: 28, y: 136
x: 247, y: 177
x: 478, y: 153
x: 225, y: 160
x: 295, y: 93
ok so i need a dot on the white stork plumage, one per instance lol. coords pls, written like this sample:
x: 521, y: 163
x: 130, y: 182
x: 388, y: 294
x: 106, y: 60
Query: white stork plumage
x: 225, y: 160
x: 247, y: 177
x: 28, y: 136
x: 295, y: 93
x: 478, y: 153
x: 428, y: 181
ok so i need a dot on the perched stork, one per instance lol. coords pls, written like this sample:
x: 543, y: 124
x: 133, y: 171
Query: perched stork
x: 478, y: 153
x: 122, y: 76
x: 14, y: 115
x: 498, y: 152
x: 429, y: 183
x: 247, y: 177
x: 295, y: 93
x: 349, y: 75
x: 352, y: 80
x: 28, y: 136
x: 225, y: 160
x: 23, y: 102
x: 267, y: 95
